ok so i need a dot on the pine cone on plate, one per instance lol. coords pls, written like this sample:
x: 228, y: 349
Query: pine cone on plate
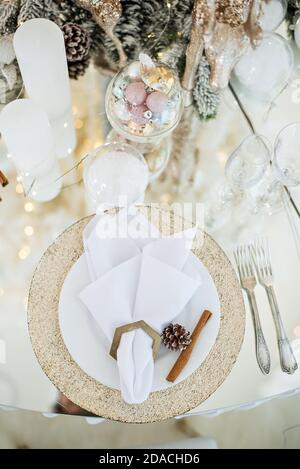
x: 77, y: 42
x: 175, y: 337
x: 78, y: 69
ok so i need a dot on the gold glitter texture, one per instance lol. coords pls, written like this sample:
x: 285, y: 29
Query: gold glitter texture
x: 226, y: 46
x: 232, y: 12
x: 159, y: 78
x: 108, y: 12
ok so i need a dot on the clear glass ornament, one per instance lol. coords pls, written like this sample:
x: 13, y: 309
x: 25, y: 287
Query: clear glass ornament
x: 265, y: 71
x: 144, y: 101
x: 273, y: 14
x: 115, y: 175
x: 156, y: 155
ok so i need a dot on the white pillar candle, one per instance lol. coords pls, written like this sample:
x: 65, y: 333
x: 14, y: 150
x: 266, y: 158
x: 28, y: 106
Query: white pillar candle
x: 29, y: 140
x: 40, y: 51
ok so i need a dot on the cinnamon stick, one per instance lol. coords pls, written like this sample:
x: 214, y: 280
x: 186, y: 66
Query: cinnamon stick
x: 185, y: 354
x: 3, y: 179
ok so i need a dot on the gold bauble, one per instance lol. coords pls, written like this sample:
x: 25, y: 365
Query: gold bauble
x: 160, y: 77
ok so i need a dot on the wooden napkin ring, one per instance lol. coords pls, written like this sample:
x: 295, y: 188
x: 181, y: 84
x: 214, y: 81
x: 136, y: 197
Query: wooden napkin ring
x: 132, y: 327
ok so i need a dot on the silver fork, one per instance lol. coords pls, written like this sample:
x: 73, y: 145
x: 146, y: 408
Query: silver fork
x: 248, y: 282
x: 262, y: 260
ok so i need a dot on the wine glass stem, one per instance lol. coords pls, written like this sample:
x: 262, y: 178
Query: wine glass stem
x: 291, y: 220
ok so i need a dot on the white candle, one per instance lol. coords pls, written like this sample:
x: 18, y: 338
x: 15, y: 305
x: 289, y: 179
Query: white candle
x: 40, y: 51
x: 29, y: 140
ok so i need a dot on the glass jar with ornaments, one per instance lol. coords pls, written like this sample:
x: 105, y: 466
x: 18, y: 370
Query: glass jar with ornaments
x: 144, y: 100
x: 144, y: 104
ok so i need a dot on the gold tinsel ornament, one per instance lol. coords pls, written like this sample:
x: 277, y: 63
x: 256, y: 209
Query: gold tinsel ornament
x: 237, y: 25
x: 107, y: 14
x: 223, y: 51
x: 232, y: 12
x: 242, y: 12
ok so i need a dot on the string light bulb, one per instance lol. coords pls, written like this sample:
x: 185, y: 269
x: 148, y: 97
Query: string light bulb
x: 28, y: 207
x: 19, y: 188
x: 29, y: 230
x: 24, y: 252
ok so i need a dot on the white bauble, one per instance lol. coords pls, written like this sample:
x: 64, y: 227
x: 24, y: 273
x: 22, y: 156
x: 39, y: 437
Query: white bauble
x: 265, y: 71
x: 273, y: 14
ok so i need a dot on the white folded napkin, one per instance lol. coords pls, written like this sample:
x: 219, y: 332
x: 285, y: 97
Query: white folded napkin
x: 135, y: 279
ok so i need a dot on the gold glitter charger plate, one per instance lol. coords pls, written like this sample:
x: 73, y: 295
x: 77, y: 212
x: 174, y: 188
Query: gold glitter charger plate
x: 76, y: 385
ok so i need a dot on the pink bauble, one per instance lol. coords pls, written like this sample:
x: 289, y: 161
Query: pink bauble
x: 157, y: 101
x: 137, y: 114
x: 135, y: 93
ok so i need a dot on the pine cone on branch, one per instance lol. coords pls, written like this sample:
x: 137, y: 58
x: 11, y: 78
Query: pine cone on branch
x: 78, y: 69
x: 77, y: 42
x: 175, y: 337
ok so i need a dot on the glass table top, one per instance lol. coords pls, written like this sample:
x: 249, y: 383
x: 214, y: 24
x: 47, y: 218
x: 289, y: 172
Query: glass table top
x: 28, y: 228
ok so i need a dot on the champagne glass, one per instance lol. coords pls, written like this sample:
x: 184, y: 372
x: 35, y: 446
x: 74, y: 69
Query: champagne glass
x: 286, y: 165
x: 248, y: 163
x: 287, y: 155
x: 244, y: 169
x: 272, y: 193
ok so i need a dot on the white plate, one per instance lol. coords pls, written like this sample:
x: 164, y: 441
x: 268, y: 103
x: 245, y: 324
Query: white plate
x: 90, y: 348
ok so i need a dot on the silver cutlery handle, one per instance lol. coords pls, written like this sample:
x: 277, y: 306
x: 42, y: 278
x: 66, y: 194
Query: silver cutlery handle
x: 262, y: 351
x: 287, y: 358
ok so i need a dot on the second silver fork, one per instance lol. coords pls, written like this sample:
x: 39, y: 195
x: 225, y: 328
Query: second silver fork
x: 262, y: 261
